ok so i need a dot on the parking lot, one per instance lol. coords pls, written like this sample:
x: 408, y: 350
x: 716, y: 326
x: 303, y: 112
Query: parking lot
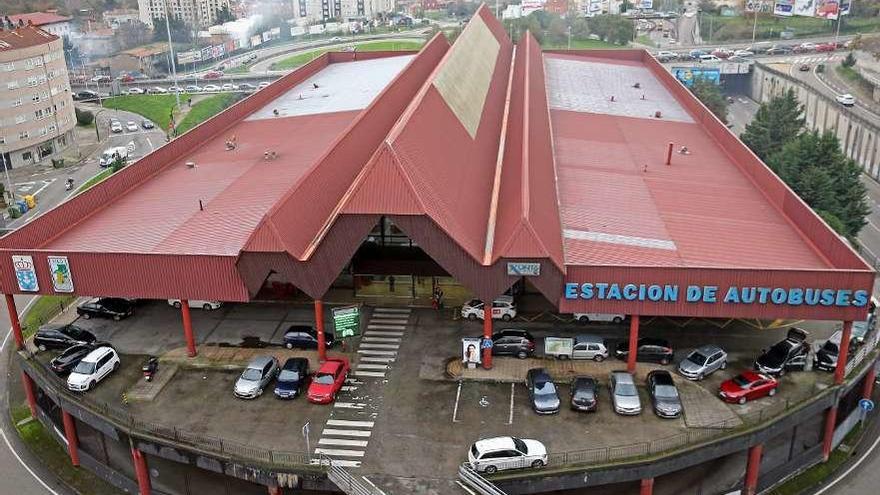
x: 399, y: 414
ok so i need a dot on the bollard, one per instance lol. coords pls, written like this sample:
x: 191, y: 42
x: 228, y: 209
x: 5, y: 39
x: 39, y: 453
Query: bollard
x: 669, y: 154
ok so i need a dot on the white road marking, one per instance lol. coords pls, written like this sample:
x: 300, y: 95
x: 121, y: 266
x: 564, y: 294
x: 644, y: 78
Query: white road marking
x: 346, y: 433
x: 352, y: 381
x: 375, y: 374
x: 342, y: 443
x: 349, y: 405
x: 392, y: 310
x: 349, y: 423
x: 339, y: 452
x: 379, y: 346
x: 385, y: 327
x: 374, y: 485
x: 367, y: 366
x: 465, y: 488
x: 510, y: 419
x: 14, y: 453
x: 348, y: 388
x: 381, y: 333
x: 873, y: 225
x: 371, y: 352
x: 368, y: 359
x: 455, y: 409
x: 370, y: 338
x: 389, y: 321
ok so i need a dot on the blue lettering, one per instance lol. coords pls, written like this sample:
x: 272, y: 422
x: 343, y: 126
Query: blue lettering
x: 602, y: 287
x: 710, y: 294
x: 587, y: 291
x: 811, y: 297
x: 614, y: 292
x: 693, y: 293
x: 860, y: 298
x: 641, y: 292
x: 842, y: 298
x: 827, y: 298
x: 732, y: 295
x: 763, y: 292
x: 571, y: 291
x: 778, y: 296
x: 655, y: 293
x: 748, y: 295
x: 629, y: 292
x: 795, y: 296
x: 670, y: 293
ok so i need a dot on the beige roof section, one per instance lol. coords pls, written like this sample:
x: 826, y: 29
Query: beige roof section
x: 463, y: 81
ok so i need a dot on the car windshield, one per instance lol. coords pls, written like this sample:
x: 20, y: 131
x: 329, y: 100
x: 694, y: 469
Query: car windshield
x: 545, y: 388
x: 84, y: 368
x: 741, y: 381
x: 251, y: 374
x: 779, y: 351
x: 830, y: 347
x: 625, y: 390
x: 288, y: 375
x: 324, y: 379
x: 697, y: 358
x: 520, y: 446
x: 666, y: 391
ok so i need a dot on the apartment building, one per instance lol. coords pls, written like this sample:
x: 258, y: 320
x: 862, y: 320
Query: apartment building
x: 319, y: 11
x: 196, y: 13
x: 36, y: 107
x: 49, y: 21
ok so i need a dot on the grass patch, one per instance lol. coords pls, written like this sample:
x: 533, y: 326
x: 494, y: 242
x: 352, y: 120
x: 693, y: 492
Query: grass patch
x: 299, y: 59
x: 645, y: 40
x: 157, y: 108
x: 44, y: 309
x: 853, y: 76
x: 239, y: 69
x: 94, y: 180
x: 42, y: 444
x: 206, y: 109
x: 582, y: 45
x: 769, y: 27
x: 815, y: 475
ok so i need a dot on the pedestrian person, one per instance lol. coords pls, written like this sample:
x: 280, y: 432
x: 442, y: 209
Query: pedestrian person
x: 391, y: 283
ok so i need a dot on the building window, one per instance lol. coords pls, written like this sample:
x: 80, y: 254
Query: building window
x: 16, y: 103
x: 27, y: 156
x: 32, y: 81
x: 20, y: 118
x: 2, y: 139
x: 36, y: 98
x: 62, y: 141
x: 8, y: 66
x: 12, y: 85
x: 43, y: 132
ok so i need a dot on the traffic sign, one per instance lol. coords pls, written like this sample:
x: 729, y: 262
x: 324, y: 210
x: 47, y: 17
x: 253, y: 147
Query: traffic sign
x: 486, y: 344
x: 867, y: 405
x: 347, y: 321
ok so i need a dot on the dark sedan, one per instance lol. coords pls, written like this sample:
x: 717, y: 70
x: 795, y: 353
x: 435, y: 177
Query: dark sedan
x: 542, y: 392
x: 664, y: 395
x: 305, y: 337
x: 647, y: 349
x: 67, y: 360
x: 61, y: 337
x: 292, y: 378
x: 106, y: 307
x: 584, y: 394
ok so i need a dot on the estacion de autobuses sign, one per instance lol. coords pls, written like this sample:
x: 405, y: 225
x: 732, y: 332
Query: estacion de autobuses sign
x: 712, y: 294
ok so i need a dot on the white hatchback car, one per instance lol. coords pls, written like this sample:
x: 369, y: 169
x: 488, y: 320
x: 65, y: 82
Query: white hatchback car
x: 846, y: 100
x: 503, y: 308
x: 493, y: 454
x: 602, y: 317
x: 195, y: 303
x: 92, y: 369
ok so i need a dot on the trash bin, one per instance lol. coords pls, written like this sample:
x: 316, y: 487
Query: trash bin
x: 22, y: 206
x: 30, y: 200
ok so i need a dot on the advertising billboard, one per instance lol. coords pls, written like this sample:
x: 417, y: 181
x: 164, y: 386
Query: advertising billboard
x: 687, y: 75
x: 826, y: 9
x: 783, y: 8
x: 646, y: 4
x: 804, y: 7
x: 189, y: 57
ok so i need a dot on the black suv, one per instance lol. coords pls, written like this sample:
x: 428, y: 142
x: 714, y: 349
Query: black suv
x: 305, y: 337
x: 513, y: 342
x: 826, y: 357
x: 67, y: 360
x: 648, y: 349
x: 61, y: 337
x: 789, y: 354
x: 108, y: 307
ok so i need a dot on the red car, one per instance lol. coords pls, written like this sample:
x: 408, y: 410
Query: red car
x: 213, y: 75
x: 826, y: 47
x: 747, y: 386
x: 328, y: 380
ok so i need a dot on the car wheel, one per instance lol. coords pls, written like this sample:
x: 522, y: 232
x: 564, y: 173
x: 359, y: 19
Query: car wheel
x: 86, y: 316
x: 207, y: 307
x: 505, y: 318
x: 177, y: 304
x: 288, y: 345
x: 472, y: 317
x: 599, y: 358
x: 490, y: 469
x: 91, y: 385
x: 259, y: 392
x: 724, y: 365
x: 116, y: 366
x: 537, y: 463
x: 741, y: 401
x: 617, y: 320
x: 584, y: 319
x: 522, y: 354
x: 117, y: 317
x: 781, y: 372
x: 664, y: 361
x: 772, y: 392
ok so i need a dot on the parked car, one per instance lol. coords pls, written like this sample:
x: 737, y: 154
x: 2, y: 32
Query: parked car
x: 263, y: 84
x: 197, y: 303
x: 789, y: 354
x: 709, y: 58
x: 131, y: 126
x: 599, y: 317
x: 92, y: 369
x: 246, y: 87
x: 846, y: 100
x: 624, y: 394
x: 664, y: 395
x: 647, y: 349
x: 826, y: 357
x: 192, y: 88
x: 804, y: 67
x: 513, y: 342
x: 255, y: 377
x: 503, y: 308
x: 306, y: 337
x: 292, y: 378
x: 210, y: 87
x: 744, y: 53
x: 543, y: 395
x: 106, y: 307
x: 116, y: 126
x: 702, y: 362
x: 136, y: 91
x: 584, y: 394
x: 580, y: 347
x: 175, y: 89
x: 747, y: 386
x: 67, y: 360
x: 157, y: 90
x: 147, y: 124
x: 85, y: 96
x: 490, y: 455
x: 61, y: 336
x: 228, y: 87
x: 214, y: 74
x: 328, y: 380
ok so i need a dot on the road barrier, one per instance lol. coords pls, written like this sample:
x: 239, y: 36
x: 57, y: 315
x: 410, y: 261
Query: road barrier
x: 473, y: 479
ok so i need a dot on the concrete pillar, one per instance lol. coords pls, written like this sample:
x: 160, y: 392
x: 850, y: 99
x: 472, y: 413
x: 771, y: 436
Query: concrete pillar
x: 274, y: 490
x: 29, y: 392
x: 753, y: 469
x: 647, y: 487
x: 487, y: 334
x: 870, y: 376
x: 142, y: 473
x: 188, y: 328
x: 319, y: 328
x: 828, y: 435
x: 70, y: 434
x: 840, y: 370
x: 633, y: 343
x: 13, y: 318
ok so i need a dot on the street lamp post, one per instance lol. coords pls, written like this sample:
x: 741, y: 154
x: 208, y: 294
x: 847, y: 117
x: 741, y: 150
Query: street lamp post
x: 171, y: 49
x: 755, y: 26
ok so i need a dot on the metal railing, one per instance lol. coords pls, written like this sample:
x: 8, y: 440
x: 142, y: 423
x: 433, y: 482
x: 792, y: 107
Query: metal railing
x: 481, y: 485
x: 344, y: 480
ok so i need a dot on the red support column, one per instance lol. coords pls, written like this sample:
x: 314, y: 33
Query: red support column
x: 70, y: 433
x: 141, y: 472
x: 188, y: 328
x: 29, y: 393
x: 13, y: 318
x: 274, y: 490
x: 753, y: 469
x: 647, y: 487
x: 840, y: 370
x: 633, y: 343
x: 870, y: 377
x: 319, y: 326
x: 487, y: 334
x: 828, y: 435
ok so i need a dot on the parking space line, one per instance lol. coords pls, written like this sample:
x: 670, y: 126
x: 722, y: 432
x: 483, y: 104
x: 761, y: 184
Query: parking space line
x: 350, y: 423
x: 367, y: 366
x: 380, y: 333
x: 342, y: 443
x: 510, y: 419
x: 346, y: 433
x: 376, y: 374
x: 379, y: 346
x: 377, y: 353
x: 349, y: 405
x: 455, y: 409
x: 340, y: 452
x: 368, y: 359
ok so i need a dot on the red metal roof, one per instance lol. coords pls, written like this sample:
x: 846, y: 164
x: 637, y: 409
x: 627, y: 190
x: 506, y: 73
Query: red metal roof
x: 39, y: 18
x: 24, y: 37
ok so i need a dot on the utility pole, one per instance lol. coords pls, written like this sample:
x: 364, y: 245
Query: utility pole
x: 569, y: 37
x: 171, y: 49
x: 755, y: 26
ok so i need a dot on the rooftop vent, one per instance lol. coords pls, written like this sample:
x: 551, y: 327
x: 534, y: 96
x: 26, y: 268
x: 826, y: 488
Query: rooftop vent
x: 190, y: 164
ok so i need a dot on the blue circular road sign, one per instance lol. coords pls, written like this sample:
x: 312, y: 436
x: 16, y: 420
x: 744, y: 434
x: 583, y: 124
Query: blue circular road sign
x: 867, y: 405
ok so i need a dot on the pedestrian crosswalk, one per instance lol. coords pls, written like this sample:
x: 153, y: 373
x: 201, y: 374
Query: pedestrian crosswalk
x: 811, y: 59
x: 347, y: 433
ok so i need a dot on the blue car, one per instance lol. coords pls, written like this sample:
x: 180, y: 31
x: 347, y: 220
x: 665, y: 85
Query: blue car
x: 293, y: 377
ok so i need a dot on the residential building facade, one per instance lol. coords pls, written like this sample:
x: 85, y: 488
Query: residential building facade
x: 37, y: 117
x: 50, y: 22
x: 196, y: 13
x: 318, y: 11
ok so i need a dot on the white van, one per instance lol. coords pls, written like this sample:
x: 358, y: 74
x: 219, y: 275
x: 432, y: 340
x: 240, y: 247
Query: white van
x: 111, y: 154
x: 503, y: 308
x: 92, y: 369
x: 709, y: 58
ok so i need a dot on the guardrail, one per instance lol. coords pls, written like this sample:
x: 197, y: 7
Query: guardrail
x: 473, y: 479
x: 345, y: 481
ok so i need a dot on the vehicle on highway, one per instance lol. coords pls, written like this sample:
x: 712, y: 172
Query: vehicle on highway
x: 306, y: 337
x: 131, y: 126
x: 336, y: 38
x: 722, y: 53
x: 193, y: 88
x: 696, y: 54
x: 503, y: 308
x: 110, y: 155
x: 579, y: 347
x: 101, y: 79
x: 708, y: 59
x: 744, y: 53
x: 702, y: 362
x: 148, y: 124
x: 85, y: 96
x: 826, y: 47
x: 543, y: 395
x: 747, y: 386
x: 491, y: 455
x: 778, y: 50
x: 263, y: 84
x: 513, y: 342
x: 93, y: 368
x: 228, y: 87
x: 246, y: 87
x: 175, y: 89
x: 804, y: 67
x: 760, y: 47
x: 67, y: 360
x: 292, y: 378
x: 584, y: 394
x: 106, y: 307
x: 846, y: 100
x: 197, y: 303
x: 664, y: 394
x: 61, y: 336
x: 157, y: 90
x: 328, y: 380
x: 214, y: 74
x: 788, y: 354
x: 826, y: 356
x: 599, y: 317
x: 255, y: 377
x: 666, y: 56
x: 805, y: 47
x: 116, y: 126
x: 647, y: 349
x: 210, y: 87
x: 126, y: 78
x: 624, y: 394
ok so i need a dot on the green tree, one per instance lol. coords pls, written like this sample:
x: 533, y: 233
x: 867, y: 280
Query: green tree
x: 83, y: 117
x: 849, y: 61
x: 708, y: 93
x: 180, y: 32
x: 777, y: 122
